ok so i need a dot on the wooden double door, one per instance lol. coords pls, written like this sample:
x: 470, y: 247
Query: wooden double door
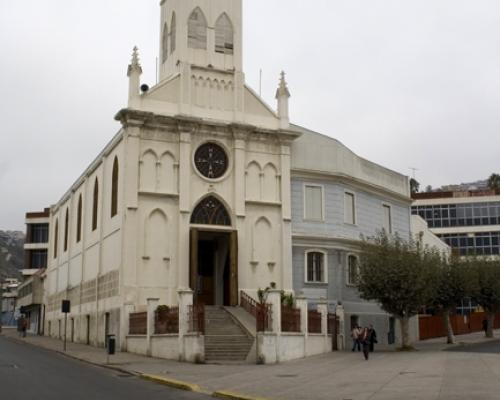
x: 214, y: 267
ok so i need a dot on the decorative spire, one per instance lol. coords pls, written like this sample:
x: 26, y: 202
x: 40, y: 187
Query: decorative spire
x: 135, y: 64
x: 283, y: 88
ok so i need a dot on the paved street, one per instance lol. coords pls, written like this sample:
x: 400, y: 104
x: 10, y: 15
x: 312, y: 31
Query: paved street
x: 468, y: 372
x: 28, y: 372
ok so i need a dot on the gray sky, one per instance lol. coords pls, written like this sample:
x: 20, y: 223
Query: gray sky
x: 404, y: 83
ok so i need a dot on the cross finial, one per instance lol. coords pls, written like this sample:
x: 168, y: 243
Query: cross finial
x: 283, y: 88
x: 135, y: 64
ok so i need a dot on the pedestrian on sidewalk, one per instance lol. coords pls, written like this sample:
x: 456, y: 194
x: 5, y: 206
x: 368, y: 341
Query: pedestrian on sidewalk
x: 365, y: 342
x: 20, y: 325
x: 24, y: 326
x: 372, y: 338
x: 355, y: 338
x: 485, y: 326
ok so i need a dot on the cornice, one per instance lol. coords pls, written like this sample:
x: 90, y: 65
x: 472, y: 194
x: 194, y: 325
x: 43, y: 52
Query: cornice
x: 181, y: 123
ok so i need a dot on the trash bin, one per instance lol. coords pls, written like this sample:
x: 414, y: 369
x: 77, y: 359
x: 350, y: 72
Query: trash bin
x: 111, y: 344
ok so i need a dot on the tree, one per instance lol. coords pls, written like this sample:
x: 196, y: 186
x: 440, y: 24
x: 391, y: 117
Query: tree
x: 487, y: 291
x: 494, y: 181
x: 454, y: 281
x: 398, y: 275
x: 428, y: 188
x: 414, y: 185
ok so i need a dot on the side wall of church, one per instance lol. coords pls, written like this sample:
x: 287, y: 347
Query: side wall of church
x: 84, y: 267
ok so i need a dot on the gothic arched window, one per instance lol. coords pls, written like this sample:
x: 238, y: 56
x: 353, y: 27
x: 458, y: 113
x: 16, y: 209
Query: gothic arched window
x: 79, y: 220
x: 211, y: 211
x: 95, y: 205
x: 197, y: 30
x: 173, y: 34
x: 56, y: 237
x: 164, y: 44
x: 114, y: 189
x: 224, y: 35
x: 66, y: 223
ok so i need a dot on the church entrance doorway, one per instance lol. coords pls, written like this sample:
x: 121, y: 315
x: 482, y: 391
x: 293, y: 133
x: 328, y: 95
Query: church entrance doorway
x: 214, y: 267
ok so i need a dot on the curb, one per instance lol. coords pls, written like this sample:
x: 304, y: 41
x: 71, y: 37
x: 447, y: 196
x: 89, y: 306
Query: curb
x: 190, y: 387
x: 223, y: 394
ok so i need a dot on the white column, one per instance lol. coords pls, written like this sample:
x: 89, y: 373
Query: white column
x: 339, y: 311
x: 184, y: 206
x: 323, y: 310
x: 152, y: 306
x: 274, y: 299
x: 124, y: 325
x: 185, y: 299
x: 286, y: 267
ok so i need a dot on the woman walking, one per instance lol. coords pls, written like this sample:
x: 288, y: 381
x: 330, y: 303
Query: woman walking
x: 365, y: 342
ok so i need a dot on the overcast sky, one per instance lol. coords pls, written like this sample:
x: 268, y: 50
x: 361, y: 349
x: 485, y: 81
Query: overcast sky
x: 404, y: 83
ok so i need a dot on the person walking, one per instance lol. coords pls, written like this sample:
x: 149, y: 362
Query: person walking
x: 364, y: 338
x: 485, y: 327
x: 24, y: 326
x: 372, y: 338
x: 355, y: 338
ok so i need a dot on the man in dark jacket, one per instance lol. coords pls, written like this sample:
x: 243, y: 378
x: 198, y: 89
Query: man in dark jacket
x: 372, y: 338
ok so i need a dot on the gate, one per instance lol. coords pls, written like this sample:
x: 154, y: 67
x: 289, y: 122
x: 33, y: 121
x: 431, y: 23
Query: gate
x: 333, y: 329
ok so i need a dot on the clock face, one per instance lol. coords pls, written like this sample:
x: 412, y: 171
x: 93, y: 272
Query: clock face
x: 211, y: 160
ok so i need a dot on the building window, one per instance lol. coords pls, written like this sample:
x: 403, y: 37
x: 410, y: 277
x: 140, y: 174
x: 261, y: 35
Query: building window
x: 211, y: 211
x: 66, y: 223
x: 349, y: 208
x: 224, y: 35
x: 352, y: 270
x: 313, y: 203
x: 95, y: 205
x: 479, y: 243
x: 387, y: 223
x: 79, y: 220
x: 459, y: 215
x: 315, y: 266
x: 39, y: 233
x: 164, y: 44
x: 56, y: 237
x: 197, y: 30
x: 114, y: 189
x: 38, y: 259
x: 173, y: 34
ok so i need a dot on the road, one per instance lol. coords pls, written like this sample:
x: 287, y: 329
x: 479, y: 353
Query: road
x: 488, y: 347
x: 28, y: 372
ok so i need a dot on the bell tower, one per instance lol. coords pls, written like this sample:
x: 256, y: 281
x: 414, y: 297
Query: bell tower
x: 204, y: 34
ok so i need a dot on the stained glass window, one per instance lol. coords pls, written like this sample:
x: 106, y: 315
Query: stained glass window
x: 211, y: 211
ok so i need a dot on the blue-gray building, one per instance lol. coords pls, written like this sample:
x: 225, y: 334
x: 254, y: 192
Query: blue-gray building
x: 337, y: 197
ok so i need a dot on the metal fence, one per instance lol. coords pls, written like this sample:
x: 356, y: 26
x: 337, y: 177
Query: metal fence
x: 314, y: 321
x: 167, y: 321
x: 138, y: 323
x: 290, y: 319
x: 197, y: 319
x: 261, y: 312
x: 432, y: 326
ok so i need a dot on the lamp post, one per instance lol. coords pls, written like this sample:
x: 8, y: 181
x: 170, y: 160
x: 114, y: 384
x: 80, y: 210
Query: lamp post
x: 1, y: 303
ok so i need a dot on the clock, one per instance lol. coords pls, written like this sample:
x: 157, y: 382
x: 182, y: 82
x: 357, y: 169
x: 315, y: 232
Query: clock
x: 211, y: 160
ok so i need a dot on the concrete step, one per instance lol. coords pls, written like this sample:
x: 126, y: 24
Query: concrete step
x: 225, y: 340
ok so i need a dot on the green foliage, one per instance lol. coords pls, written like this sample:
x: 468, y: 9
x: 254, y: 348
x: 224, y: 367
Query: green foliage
x: 454, y: 281
x: 414, y: 185
x: 397, y: 274
x: 262, y: 295
x: 287, y: 299
x: 487, y: 283
x: 494, y: 181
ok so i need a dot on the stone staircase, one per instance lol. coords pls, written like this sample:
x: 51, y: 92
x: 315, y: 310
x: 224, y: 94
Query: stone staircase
x: 225, y: 339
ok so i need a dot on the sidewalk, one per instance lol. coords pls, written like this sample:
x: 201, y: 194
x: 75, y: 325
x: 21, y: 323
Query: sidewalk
x: 425, y: 374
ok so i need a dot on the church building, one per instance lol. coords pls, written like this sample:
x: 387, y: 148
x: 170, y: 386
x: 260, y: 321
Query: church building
x: 208, y: 194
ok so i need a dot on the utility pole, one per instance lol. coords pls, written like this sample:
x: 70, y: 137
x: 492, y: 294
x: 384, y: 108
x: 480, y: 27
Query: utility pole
x: 1, y: 303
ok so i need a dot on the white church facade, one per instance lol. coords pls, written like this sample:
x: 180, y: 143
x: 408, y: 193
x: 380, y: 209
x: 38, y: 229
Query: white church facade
x: 205, y: 194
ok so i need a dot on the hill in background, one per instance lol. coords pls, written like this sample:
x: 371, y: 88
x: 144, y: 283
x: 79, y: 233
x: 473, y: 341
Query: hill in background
x: 11, y: 254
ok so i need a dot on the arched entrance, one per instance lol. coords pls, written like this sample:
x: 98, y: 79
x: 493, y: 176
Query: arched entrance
x: 214, y: 255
